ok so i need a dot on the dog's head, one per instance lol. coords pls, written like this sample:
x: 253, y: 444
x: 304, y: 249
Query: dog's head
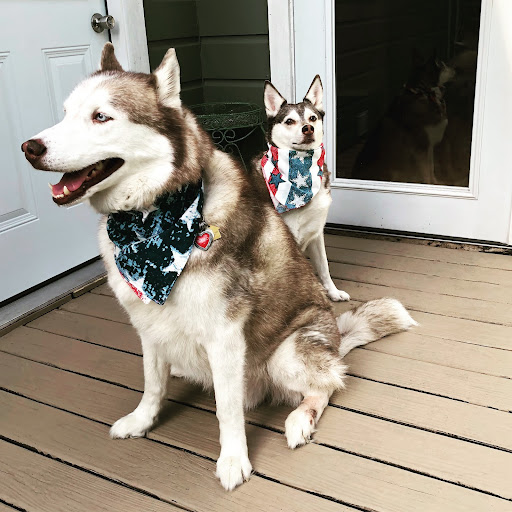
x: 121, y: 141
x: 296, y: 126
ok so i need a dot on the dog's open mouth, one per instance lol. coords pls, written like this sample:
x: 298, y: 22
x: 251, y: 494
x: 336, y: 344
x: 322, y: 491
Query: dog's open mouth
x: 74, y: 184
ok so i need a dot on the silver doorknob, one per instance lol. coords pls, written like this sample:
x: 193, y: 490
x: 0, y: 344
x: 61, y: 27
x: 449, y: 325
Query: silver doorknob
x: 99, y: 23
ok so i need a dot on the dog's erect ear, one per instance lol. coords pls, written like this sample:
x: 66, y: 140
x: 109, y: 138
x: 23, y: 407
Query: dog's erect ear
x: 109, y: 61
x: 168, y: 80
x: 315, y: 93
x: 273, y: 100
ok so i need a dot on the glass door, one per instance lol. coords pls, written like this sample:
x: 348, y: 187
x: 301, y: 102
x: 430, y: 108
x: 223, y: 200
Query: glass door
x: 419, y: 116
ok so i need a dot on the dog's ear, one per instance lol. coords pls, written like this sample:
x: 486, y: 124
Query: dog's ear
x: 108, y: 60
x: 168, y: 80
x: 315, y: 93
x: 272, y: 99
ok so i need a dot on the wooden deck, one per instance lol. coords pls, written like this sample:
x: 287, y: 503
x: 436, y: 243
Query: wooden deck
x: 425, y: 423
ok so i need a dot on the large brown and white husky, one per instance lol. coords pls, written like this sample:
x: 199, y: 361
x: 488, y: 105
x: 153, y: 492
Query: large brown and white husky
x: 295, y: 162
x: 247, y: 316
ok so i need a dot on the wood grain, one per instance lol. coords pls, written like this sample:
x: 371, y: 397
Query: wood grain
x: 318, y: 468
x: 403, y: 279
x: 405, y: 406
x: 420, y: 266
x: 169, y: 473
x: 444, y: 457
x: 474, y: 388
x: 411, y: 250
x: 36, y: 483
x: 437, y: 325
x: 412, y: 344
x: 428, y: 302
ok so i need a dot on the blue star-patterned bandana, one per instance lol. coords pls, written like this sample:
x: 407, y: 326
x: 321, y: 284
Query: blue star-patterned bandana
x: 152, y: 247
x: 293, y: 177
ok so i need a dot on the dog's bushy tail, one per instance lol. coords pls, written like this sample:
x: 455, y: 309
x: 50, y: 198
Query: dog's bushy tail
x: 372, y: 321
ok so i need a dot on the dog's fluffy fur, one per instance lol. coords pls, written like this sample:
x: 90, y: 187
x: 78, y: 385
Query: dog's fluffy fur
x: 248, y: 316
x: 286, y: 125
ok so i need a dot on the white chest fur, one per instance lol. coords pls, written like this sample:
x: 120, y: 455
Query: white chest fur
x: 182, y: 326
x: 307, y: 222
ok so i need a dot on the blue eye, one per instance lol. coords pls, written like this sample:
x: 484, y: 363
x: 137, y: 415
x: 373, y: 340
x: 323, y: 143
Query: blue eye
x: 100, y: 117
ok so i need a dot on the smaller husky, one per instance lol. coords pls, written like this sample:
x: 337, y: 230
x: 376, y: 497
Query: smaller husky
x: 296, y: 175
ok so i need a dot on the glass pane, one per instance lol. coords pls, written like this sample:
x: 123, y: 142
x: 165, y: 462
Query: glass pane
x: 405, y: 89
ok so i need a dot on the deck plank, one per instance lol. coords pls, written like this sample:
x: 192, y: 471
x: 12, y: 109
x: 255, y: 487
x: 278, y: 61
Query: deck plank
x: 6, y: 508
x: 38, y: 484
x: 428, y: 412
x: 456, y: 329
x: 431, y: 324
x: 415, y: 266
x: 403, y: 279
x: 380, y: 489
x: 99, y: 306
x: 475, y: 388
x: 444, y: 457
x: 424, y: 422
x: 413, y: 344
x: 103, y: 306
x: 447, y: 353
x: 104, y: 289
x: 425, y: 252
x: 166, y: 472
x: 428, y: 302
x: 425, y: 411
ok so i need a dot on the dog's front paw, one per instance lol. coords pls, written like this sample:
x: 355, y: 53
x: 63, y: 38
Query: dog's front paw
x: 132, y: 425
x: 233, y: 471
x: 299, y: 427
x: 337, y: 295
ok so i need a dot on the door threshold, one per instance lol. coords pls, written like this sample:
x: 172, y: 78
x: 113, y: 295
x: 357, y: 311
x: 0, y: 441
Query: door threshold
x: 37, y: 301
x: 419, y: 239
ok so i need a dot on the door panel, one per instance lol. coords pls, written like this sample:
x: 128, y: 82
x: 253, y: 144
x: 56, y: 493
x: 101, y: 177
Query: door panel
x: 39, y: 66
x: 469, y: 193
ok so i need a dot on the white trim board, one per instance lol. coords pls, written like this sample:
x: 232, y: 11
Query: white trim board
x: 282, y: 47
x: 129, y: 34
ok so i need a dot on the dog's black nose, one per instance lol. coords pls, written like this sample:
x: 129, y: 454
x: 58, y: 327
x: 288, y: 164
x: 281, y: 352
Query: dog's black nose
x: 307, y: 129
x: 33, y: 148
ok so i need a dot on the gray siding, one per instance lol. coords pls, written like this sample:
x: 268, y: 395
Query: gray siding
x: 173, y: 24
x: 222, y: 46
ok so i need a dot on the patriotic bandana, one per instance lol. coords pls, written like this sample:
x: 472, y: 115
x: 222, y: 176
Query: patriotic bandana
x: 293, y: 177
x: 152, y: 247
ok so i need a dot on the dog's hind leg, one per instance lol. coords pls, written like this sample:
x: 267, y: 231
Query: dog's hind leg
x: 300, y: 424
x: 226, y: 355
x: 156, y: 374
x: 316, y: 252
x: 307, y: 366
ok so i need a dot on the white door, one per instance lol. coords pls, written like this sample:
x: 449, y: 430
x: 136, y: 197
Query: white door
x: 368, y: 41
x: 46, y: 48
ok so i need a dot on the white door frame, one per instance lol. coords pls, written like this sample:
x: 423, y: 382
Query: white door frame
x: 283, y: 25
x: 129, y: 34
x: 317, y: 50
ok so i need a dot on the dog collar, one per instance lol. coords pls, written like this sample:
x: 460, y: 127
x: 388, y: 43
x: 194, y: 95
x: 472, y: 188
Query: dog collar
x: 153, y: 247
x: 293, y: 178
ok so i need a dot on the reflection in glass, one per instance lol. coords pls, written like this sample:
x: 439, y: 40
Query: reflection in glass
x: 405, y: 89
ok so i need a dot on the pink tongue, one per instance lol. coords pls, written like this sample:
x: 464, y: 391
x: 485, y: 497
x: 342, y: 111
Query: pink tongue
x: 72, y: 180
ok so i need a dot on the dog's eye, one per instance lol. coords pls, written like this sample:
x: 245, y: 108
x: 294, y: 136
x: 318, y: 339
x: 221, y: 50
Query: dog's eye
x: 100, y: 117
x: 312, y: 118
x: 289, y: 122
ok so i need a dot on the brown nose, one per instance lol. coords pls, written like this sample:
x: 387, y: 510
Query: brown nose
x: 33, y: 149
x: 308, y: 129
